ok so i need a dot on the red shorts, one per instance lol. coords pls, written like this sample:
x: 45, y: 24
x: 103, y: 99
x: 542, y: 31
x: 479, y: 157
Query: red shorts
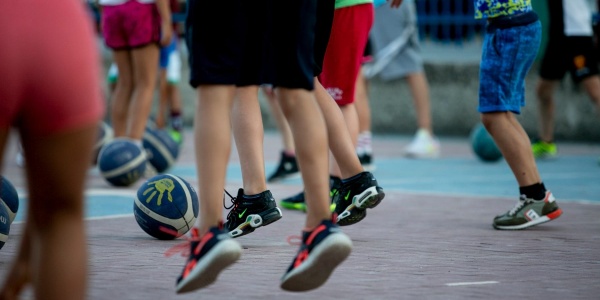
x: 349, y: 34
x: 50, y: 74
x: 130, y: 25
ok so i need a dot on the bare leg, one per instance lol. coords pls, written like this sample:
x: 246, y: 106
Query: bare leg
x: 121, y: 97
x: 419, y: 89
x: 212, y: 124
x: 249, y: 136
x: 545, y: 95
x: 514, y: 144
x: 58, y: 244
x: 281, y: 122
x: 592, y: 87
x: 362, y: 103
x: 145, y: 68
x: 308, y: 129
x: 163, y: 101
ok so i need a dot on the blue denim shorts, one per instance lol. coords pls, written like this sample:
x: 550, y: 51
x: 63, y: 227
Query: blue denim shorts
x: 507, y: 56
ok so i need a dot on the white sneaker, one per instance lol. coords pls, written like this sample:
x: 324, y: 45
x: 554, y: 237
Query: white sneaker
x: 423, y: 145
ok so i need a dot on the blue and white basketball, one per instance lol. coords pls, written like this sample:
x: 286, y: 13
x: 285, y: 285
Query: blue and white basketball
x: 4, y: 226
x: 105, y: 134
x: 9, y: 198
x: 121, y: 162
x: 166, y: 206
x: 162, y: 149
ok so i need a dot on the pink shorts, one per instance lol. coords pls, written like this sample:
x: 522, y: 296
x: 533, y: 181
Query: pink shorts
x: 48, y: 85
x: 343, y: 58
x: 130, y: 25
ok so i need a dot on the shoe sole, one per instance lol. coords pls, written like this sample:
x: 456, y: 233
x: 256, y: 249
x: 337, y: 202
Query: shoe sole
x: 543, y: 219
x: 210, y: 266
x: 369, y: 198
x: 254, y: 221
x: 320, y: 264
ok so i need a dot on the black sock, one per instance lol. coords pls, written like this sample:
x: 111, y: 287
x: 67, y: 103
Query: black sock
x: 535, y: 191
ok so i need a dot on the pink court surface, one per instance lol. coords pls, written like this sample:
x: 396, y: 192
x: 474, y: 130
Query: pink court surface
x: 431, y: 237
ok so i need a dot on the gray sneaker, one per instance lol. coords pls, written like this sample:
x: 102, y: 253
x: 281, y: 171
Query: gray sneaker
x: 528, y: 212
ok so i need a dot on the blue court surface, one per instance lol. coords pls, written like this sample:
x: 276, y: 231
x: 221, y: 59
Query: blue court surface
x: 574, y: 176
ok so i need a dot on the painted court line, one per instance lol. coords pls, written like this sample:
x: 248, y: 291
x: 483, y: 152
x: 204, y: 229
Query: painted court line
x: 471, y: 283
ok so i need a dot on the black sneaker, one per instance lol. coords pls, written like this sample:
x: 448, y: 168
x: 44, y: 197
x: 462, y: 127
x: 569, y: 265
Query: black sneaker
x: 248, y: 214
x: 209, y: 255
x: 321, y: 251
x: 366, y: 160
x: 296, y: 202
x: 355, y: 197
x: 288, y: 168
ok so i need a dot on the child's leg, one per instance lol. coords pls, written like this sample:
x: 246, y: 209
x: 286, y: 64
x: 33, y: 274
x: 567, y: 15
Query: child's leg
x: 121, y: 97
x: 212, y: 141
x: 145, y: 70
x: 249, y: 135
x: 310, y: 136
x: 514, y: 144
x: 57, y: 228
x: 340, y: 141
x: 163, y: 100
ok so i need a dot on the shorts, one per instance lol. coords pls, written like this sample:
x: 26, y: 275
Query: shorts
x: 325, y: 13
x: 344, y: 53
x: 507, y: 56
x: 170, y: 61
x: 130, y: 25
x: 368, y: 53
x: 31, y: 100
x: 215, y: 37
x: 573, y: 54
x: 391, y: 24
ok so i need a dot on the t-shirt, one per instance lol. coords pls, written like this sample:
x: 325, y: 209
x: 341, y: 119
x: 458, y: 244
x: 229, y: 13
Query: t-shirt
x: 497, y: 8
x: 346, y: 3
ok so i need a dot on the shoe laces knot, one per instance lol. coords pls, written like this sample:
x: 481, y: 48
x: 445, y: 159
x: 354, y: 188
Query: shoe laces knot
x: 184, y: 246
x: 234, y: 204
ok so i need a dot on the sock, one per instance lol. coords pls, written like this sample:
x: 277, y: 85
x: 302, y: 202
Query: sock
x: 364, y: 143
x: 176, y: 120
x: 535, y: 191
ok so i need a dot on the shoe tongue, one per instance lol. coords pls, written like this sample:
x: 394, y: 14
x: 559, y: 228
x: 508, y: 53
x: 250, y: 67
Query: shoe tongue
x: 523, y: 197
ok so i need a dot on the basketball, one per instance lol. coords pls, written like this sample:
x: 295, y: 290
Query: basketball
x: 9, y: 198
x: 105, y: 134
x: 4, y: 225
x: 166, y: 201
x: 121, y: 162
x: 162, y: 149
x: 483, y: 144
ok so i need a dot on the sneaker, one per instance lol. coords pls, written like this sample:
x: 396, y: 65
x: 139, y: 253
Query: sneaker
x: 296, y: 202
x: 321, y: 251
x: 529, y: 212
x: 176, y: 136
x: 544, y: 150
x: 366, y: 160
x: 424, y: 145
x: 355, y: 197
x: 248, y: 214
x: 209, y: 255
x: 287, y: 169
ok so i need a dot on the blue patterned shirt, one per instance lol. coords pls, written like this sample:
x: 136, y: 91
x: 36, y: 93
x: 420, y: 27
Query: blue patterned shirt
x: 497, y: 8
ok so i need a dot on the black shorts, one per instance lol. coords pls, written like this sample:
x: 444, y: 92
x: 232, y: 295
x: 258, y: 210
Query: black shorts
x: 216, y: 50
x: 325, y: 11
x: 294, y: 28
x: 573, y: 54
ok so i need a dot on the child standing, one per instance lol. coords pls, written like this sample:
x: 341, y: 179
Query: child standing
x: 511, y: 43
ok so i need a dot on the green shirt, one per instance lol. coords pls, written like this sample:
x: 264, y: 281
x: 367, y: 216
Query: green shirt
x: 346, y: 3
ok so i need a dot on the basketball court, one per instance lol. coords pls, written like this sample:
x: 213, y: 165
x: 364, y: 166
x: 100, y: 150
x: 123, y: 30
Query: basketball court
x: 431, y: 237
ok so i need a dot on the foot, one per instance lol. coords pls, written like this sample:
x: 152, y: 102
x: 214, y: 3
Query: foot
x: 287, y: 169
x: 296, y: 202
x: 209, y: 255
x: 528, y: 212
x: 248, y: 214
x: 321, y: 251
x: 424, y: 145
x: 544, y: 150
x: 355, y: 196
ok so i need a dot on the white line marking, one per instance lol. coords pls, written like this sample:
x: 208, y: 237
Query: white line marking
x: 471, y: 283
x: 109, y: 217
